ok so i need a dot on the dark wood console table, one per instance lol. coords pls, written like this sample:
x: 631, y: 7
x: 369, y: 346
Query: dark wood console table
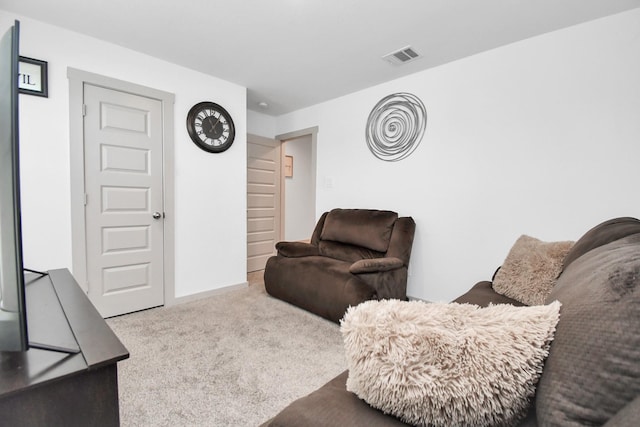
x: 46, y: 388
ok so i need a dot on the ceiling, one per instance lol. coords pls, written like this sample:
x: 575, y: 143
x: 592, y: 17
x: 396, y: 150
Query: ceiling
x: 295, y: 53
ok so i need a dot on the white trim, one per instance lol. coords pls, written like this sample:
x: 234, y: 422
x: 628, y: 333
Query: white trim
x: 76, y: 165
x: 77, y: 79
x: 211, y: 293
x: 298, y: 133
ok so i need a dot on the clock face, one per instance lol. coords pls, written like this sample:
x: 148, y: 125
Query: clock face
x: 210, y: 127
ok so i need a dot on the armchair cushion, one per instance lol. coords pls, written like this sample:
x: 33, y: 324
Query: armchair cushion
x: 345, y: 251
x: 296, y: 249
x: 360, y: 227
x: 375, y: 265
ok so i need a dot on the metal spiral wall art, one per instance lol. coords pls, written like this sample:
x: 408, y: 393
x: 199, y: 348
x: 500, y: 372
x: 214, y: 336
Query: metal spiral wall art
x: 396, y: 126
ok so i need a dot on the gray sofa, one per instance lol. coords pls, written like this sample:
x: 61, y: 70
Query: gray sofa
x: 592, y: 374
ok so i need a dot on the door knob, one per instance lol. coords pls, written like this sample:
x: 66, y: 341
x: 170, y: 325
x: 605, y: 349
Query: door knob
x: 157, y: 215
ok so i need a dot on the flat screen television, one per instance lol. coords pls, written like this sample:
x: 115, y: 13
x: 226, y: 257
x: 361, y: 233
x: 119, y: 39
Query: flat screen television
x: 13, y: 316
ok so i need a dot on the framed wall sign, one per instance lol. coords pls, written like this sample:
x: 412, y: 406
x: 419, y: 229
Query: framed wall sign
x: 32, y: 77
x: 288, y: 166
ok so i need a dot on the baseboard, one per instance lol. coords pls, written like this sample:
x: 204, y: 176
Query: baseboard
x: 206, y: 294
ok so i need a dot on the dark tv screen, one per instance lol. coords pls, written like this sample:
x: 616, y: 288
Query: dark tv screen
x: 13, y: 321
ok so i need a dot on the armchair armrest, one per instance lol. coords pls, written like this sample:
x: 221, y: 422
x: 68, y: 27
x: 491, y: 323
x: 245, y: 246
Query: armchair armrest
x: 296, y: 249
x: 375, y: 265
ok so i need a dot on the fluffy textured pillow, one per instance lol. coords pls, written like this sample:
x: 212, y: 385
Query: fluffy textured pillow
x: 447, y: 364
x: 530, y: 270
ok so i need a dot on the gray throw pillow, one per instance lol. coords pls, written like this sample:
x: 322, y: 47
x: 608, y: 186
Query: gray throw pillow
x: 593, y: 368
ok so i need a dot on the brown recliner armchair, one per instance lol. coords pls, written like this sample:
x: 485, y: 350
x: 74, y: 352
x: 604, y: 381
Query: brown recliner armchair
x: 354, y: 255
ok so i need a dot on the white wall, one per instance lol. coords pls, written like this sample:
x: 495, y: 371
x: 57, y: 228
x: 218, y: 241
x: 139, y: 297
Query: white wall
x: 300, y: 216
x: 210, y: 189
x: 540, y: 137
x: 261, y: 124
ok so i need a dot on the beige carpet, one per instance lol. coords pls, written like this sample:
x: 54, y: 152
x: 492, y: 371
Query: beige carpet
x: 235, y: 359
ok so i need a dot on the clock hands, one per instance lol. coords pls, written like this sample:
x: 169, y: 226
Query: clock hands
x: 213, y: 128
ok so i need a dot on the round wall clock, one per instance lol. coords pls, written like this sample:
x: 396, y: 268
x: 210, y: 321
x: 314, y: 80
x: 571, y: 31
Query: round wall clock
x: 210, y: 127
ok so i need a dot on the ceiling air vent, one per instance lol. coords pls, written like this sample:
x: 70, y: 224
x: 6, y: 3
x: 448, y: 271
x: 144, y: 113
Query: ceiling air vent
x: 401, y: 56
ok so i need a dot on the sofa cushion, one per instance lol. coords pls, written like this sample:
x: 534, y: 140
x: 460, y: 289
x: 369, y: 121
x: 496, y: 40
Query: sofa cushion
x: 360, y: 227
x: 627, y: 416
x: 447, y: 364
x: 331, y: 406
x: 593, y: 368
x: 530, y: 269
x: 602, y: 234
x: 482, y: 294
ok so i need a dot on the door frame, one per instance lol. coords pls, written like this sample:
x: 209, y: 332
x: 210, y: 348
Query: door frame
x: 77, y: 79
x: 313, y: 132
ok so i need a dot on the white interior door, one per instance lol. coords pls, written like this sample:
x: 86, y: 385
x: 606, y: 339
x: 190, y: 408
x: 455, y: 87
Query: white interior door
x: 123, y: 212
x: 263, y: 200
